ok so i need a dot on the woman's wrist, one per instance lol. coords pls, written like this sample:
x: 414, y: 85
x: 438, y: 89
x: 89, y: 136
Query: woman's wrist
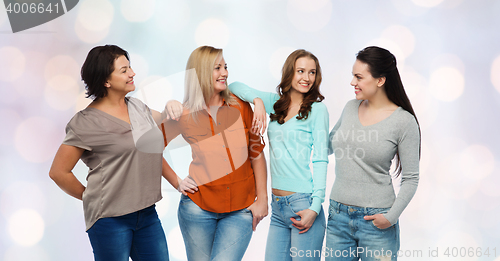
x: 257, y: 100
x: 179, y: 180
x: 262, y: 198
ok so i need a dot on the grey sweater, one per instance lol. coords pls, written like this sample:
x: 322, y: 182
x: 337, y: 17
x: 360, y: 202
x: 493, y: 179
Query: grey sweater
x: 363, y: 156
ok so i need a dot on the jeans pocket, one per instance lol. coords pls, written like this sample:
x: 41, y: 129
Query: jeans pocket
x: 380, y: 229
x: 247, y: 212
x: 374, y: 211
x: 331, y: 212
x: 185, y: 200
x: 300, y: 204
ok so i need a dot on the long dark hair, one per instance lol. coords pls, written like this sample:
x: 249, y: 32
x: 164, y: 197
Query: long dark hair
x: 281, y: 106
x: 382, y: 63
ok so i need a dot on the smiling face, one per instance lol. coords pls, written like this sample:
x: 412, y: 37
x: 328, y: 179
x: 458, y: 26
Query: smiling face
x: 365, y: 86
x: 304, y: 75
x: 122, y: 77
x: 219, y: 76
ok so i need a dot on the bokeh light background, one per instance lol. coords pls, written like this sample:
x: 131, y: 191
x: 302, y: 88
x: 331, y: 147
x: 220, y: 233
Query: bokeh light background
x: 449, y: 58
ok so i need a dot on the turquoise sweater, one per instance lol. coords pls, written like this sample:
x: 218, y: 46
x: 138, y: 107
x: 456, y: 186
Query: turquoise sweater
x: 291, y: 146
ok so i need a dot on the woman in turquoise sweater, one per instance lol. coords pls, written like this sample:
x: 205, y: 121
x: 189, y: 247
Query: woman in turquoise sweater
x: 298, y: 128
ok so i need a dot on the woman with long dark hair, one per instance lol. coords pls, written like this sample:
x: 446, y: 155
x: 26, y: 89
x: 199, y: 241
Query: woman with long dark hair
x: 297, y: 131
x: 375, y: 128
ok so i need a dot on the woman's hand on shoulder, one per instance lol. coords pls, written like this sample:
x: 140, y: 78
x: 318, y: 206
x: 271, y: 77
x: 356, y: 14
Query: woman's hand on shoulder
x: 307, y: 217
x: 174, y: 109
x: 259, y: 123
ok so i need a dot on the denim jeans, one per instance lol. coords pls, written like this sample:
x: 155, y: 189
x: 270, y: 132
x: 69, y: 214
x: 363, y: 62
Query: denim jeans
x: 138, y: 235
x: 350, y: 237
x: 214, y: 236
x: 284, y: 241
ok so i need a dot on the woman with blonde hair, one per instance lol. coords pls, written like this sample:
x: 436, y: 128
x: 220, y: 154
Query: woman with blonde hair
x: 297, y: 131
x: 225, y: 194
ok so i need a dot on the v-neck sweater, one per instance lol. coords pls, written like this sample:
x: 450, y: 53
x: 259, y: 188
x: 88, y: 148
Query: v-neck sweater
x: 294, y: 145
x: 363, y: 157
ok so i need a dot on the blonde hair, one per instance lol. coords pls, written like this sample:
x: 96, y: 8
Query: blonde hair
x: 198, y: 89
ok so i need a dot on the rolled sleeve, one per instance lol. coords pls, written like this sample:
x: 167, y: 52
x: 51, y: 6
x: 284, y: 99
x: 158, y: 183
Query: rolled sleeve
x: 74, y: 140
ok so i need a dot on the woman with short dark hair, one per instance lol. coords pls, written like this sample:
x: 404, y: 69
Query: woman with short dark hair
x: 118, y: 139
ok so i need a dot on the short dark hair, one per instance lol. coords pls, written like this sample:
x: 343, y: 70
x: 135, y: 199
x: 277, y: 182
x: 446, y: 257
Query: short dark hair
x: 97, y: 68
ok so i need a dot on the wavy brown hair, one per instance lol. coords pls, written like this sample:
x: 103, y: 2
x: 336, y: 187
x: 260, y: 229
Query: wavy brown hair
x: 288, y: 72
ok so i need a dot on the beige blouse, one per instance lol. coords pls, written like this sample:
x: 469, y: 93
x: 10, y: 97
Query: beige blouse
x: 124, y: 160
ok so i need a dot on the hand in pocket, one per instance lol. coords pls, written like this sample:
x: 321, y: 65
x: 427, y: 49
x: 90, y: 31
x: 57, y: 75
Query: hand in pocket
x: 379, y: 221
x: 307, y: 218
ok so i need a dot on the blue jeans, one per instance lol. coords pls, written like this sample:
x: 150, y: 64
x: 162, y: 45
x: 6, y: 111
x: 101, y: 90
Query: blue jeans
x: 350, y: 237
x: 214, y: 236
x: 284, y: 241
x: 138, y: 235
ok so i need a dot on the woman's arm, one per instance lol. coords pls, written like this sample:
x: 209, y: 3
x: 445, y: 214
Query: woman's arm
x: 263, y: 101
x: 409, y: 156
x: 320, y: 125
x: 170, y: 130
x: 61, y: 170
x: 173, y: 110
x: 259, y: 122
x: 179, y: 184
x: 249, y: 94
x: 320, y: 154
x: 260, y: 207
x: 255, y: 152
x: 334, y: 130
x: 332, y: 133
x: 169, y: 174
